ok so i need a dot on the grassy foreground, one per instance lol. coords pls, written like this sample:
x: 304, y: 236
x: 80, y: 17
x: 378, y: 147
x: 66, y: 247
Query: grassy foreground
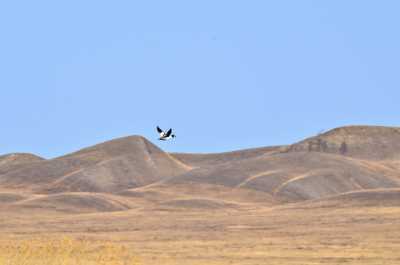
x: 66, y: 251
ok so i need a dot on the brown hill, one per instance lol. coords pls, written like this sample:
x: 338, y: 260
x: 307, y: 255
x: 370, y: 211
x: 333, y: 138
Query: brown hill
x: 367, y: 142
x: 339, y: 161
x: 9, y: 162
x: 119, y: 164
x: 295, y: 176
x: 139, y: 171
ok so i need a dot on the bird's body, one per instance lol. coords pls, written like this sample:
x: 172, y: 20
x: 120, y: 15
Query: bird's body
x: 164, y: 136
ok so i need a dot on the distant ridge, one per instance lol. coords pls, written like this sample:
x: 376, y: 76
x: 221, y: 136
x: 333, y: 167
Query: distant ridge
x: 131, y: 172
x: 368, y: 142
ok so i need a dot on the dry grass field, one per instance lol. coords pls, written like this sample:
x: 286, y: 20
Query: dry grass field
x: 65, y: 251
x: 330, y: 199
x: 322, y: 234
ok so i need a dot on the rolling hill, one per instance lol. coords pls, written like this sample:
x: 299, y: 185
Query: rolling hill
x: 364, y: 142
x: 118, y: 164
x: 340, y: 161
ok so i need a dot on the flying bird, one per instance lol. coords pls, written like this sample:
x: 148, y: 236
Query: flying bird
x: 164, y: 136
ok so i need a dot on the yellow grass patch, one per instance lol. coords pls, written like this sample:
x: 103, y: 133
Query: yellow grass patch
x: 66, y: 251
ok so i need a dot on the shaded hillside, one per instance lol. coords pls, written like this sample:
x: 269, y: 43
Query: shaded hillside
x: 200, y: 160
x: 295, y: 176
x: 367, y: 142
x: 118, y: 164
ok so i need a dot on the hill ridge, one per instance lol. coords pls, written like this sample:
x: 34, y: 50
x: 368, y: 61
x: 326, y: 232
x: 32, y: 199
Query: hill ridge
x: 135, y: 167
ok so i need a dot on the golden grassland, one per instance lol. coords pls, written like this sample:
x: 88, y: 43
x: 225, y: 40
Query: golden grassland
x: 65, y: 251
x: 298, y: 235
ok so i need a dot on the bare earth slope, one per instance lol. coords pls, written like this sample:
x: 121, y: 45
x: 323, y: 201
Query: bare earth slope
x: 199, y: 160
x: 118, y: 164
x: 295, y: 176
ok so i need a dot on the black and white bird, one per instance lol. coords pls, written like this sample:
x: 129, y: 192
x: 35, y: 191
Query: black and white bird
x: 165, y: 135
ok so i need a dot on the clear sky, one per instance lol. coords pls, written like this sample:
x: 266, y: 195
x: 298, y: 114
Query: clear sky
x: 224, y: 74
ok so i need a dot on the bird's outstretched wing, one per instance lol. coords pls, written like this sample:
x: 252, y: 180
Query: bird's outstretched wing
x: 159, y: 130
x: 168, y: 133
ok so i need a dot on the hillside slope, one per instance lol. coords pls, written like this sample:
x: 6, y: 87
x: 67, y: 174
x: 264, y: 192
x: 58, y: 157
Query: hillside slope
x: 366, y: 142
x: 118, y: 164
x: 343, y: 160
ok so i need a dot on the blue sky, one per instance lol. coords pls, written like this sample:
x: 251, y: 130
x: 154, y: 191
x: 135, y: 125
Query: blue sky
x: 224, y: 74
